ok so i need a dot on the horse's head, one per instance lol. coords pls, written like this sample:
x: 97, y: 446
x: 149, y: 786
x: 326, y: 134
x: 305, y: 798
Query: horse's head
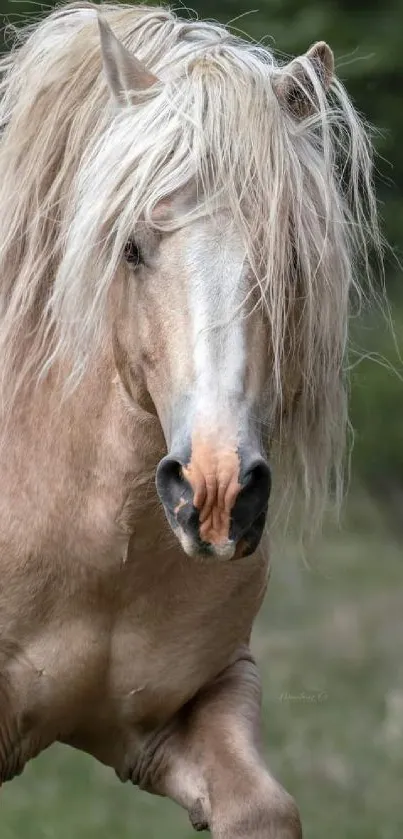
x: 197, y: 338
x: 198, y: 342
x: 213, y: 209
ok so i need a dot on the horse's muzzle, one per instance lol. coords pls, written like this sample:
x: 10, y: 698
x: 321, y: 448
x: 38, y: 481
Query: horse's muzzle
x: 241, y: 535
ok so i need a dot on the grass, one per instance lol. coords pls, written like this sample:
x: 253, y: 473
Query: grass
x: 330, y: 646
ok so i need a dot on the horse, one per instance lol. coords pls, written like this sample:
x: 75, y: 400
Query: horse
x: 184, y: 218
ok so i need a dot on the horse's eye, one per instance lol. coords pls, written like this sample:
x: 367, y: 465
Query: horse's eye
x: 132, y: 253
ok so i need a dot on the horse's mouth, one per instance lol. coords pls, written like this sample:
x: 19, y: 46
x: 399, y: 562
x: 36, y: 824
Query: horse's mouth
x: 226, y: 551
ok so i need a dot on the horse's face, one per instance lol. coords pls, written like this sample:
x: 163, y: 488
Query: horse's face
x: 196, y: 339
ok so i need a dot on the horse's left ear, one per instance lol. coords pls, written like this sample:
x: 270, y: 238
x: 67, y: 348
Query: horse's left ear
x: 124, y: 72
x: 294, y: 87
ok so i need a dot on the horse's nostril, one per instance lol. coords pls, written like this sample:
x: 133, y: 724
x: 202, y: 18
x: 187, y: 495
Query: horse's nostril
x: 258, y: 480
x: 170, y: 470
x: 176, y: 495
x: 253, y: 499
x: 170, y: 481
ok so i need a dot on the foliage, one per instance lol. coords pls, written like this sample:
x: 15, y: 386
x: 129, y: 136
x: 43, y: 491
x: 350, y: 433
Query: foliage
x: 377, y: 412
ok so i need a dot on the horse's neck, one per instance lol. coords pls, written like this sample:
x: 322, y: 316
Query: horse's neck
x: 85, y: 463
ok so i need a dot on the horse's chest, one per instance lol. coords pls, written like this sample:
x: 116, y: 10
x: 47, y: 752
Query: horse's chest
x: 123, y: 650
x: 178, y: 626
x: 154, y: 670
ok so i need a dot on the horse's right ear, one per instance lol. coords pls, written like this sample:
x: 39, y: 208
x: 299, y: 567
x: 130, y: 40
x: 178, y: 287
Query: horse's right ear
x: 294, y: 87
x: 124, y: 72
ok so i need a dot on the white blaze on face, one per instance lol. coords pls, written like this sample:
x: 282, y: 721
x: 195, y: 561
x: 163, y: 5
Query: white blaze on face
x: 216, y: 291
x: 217, y: 288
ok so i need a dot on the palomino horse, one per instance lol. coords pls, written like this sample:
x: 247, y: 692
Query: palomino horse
x: 181, y: 219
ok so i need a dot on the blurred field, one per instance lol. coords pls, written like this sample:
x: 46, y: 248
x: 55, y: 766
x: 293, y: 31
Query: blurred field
x: 330, y: 645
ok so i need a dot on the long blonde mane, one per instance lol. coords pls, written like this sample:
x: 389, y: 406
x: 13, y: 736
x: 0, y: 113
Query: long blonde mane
x: 76, y: 174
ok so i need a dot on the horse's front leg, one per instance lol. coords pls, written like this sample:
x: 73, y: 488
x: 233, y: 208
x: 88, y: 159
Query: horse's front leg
x: 210, y: 762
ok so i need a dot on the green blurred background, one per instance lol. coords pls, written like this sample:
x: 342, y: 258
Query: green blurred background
x: 330, y: 637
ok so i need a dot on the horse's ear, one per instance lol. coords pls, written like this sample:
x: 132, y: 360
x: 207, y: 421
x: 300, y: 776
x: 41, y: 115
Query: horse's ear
x: 295, y: 88
x: 124, y: 72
